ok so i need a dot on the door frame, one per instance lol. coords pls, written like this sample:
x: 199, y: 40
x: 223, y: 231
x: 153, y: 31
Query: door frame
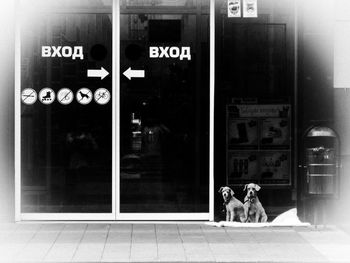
x: 115, y: 214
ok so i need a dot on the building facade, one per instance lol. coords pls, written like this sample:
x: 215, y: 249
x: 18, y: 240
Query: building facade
x: 142, y: 110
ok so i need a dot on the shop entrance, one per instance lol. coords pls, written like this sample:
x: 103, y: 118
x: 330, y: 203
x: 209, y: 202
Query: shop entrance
x: 112, y: 110
x: 164, y: 110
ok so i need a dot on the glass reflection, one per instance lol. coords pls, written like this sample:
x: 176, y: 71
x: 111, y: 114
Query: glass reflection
x: 164, y: 116
x: 66, y: 147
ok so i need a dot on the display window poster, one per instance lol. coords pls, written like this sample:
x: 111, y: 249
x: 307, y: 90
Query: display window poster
x: 242, y: 167
x: 275, y: 167
x: 258, y: 144
x: 242, y: 132
x: 275, y: 132
x: 260, y: 110
x: 265, y: 168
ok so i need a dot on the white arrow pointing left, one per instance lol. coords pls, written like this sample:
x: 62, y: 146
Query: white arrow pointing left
x: 97, y: 73
x: 133, y: 73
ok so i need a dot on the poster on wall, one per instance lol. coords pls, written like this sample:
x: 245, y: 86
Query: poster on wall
x: 258, y: 144
x: 275, y: 167
x: 259, y: 110
x: 275, y: 132
x: 242, y: 167
x: 250, y: 8
x: 233, y: 8
x: 242, y: 132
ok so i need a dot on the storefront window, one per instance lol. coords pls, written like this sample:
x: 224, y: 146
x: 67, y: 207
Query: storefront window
x: 66, y: 112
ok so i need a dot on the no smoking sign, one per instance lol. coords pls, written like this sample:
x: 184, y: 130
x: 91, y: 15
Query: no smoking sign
x: 29, y: 96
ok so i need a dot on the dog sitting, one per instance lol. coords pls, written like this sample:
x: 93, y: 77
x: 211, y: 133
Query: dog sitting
x: 254, y: 211
x: 234, y: 207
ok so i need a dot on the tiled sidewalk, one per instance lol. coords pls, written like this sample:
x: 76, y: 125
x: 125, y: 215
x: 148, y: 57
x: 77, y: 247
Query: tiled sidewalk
x: 79, y: 242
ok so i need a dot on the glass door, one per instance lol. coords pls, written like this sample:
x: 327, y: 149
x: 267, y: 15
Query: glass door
x: 112, y: 110
x: 163, y: 132
x: 64, y: 111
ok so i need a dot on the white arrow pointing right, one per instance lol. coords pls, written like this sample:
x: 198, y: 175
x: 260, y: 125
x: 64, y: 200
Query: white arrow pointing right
x: 97, y: 73
x: 133, y: 73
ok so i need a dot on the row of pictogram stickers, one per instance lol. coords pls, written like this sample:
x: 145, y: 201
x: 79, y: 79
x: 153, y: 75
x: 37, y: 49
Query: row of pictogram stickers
x: 65, y: 96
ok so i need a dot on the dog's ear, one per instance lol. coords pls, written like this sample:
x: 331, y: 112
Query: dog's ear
x: 257, y: 187
x: 245, y: 187
x: 231, y: 191
x: 220, y: 190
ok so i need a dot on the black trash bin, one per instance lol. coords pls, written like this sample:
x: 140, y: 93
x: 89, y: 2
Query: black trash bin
x: 320, y: 176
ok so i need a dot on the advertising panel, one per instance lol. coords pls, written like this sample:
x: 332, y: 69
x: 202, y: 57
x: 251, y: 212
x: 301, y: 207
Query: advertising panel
x: 258, y: 144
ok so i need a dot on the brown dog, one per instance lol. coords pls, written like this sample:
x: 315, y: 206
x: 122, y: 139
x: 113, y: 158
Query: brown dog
x: 254, y: 211
x: 234, y: 207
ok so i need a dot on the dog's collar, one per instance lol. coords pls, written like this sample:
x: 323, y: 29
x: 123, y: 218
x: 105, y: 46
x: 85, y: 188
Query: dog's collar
x: 250, y: 199
x: 226, y: 201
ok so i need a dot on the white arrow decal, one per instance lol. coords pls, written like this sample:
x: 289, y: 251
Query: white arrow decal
x: 97, y: 73
x: 132, y: 73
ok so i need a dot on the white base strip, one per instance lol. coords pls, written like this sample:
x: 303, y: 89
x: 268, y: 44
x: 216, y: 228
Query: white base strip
x: 289, y: 218
x: 252, y: 225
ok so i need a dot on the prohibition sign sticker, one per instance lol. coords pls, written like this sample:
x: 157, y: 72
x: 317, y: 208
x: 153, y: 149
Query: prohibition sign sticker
x: 84, y: 96
x: 65, y: 96
x: 47, y: 96
x: 102, y: 96
x: 29, y: 96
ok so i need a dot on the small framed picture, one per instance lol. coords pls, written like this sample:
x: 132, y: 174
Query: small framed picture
x: 250, y: 8
x: 233, y: 8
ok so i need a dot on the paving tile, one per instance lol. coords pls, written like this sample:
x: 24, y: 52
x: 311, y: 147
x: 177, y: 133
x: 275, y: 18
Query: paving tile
x: 143, y: 228
x: 333, y: 237
x: 143, y: 243
x: 170, y: 247
x: 277, y: 251
x: 195, y: 245
x: 52, y: 227
x: 333, y: 245
x: 75, y: 227
x: 270, y: 237
x: 198, y: 252
x: 241, y: 236
x: 212, y: 229
x: 8, y: 227
x: 117, y: 247
x: 306, y: 253
x: 167, y: 228
x: 144, y: 252
x: 168, y: 238
x: 92, y: 244
x: 221, y: 245
x: 119, y: 237
x: 189, y: 228
x: 335, y: 252
x: 16, y: 242
x: 171, y: 251
x: 6, y: 230
x: 250, y: 252
x: 98, y: 227
x: 144, y: 238
x: 28, y: 227
x: 66, y: 244
x: 38, y: 246
x: 120, y: 227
